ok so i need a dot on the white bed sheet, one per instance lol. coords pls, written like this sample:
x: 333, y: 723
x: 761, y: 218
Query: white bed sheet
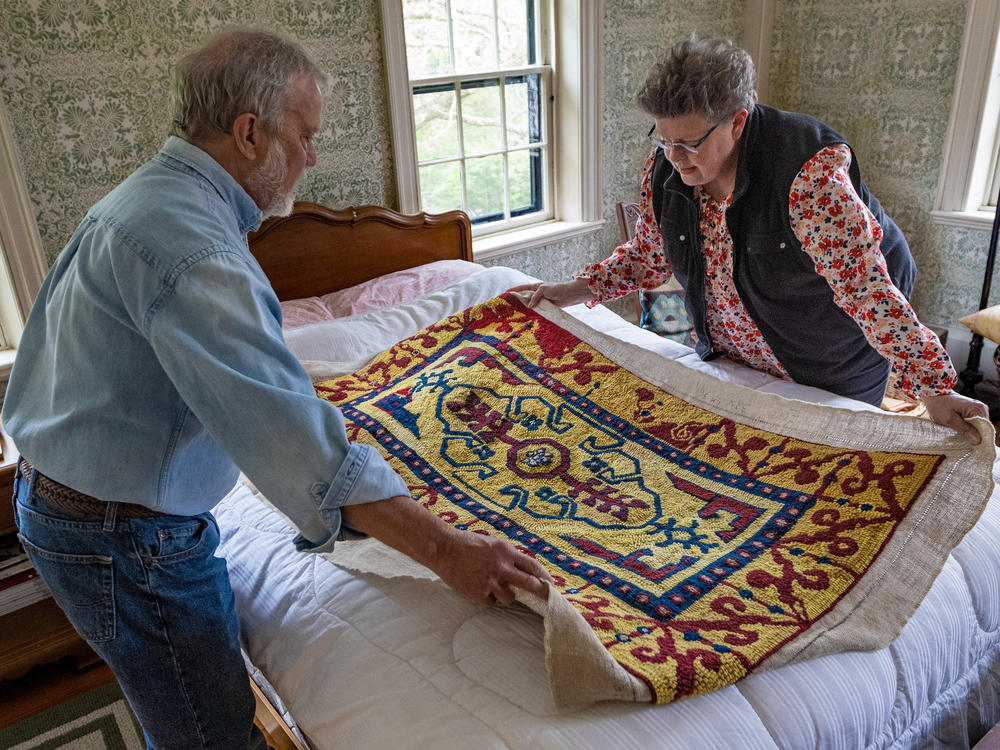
x: 365, y: 661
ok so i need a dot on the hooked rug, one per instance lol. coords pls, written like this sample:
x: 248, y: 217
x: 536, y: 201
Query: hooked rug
x: 696, y: 530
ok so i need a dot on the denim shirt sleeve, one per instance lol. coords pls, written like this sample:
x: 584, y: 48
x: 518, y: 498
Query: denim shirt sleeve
x: 216, y: 330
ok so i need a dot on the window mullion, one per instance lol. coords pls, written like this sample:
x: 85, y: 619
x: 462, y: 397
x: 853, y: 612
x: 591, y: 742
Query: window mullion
x: 503, y: 142
x: 545, y: 150
x: 481, y: 75
x: 506, y: 185
x: 496, y: 35
x: 451, y: 37
x: 461, y: 145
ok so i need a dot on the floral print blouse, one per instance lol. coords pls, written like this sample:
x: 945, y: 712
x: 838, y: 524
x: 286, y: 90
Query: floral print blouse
x: 842, y: 237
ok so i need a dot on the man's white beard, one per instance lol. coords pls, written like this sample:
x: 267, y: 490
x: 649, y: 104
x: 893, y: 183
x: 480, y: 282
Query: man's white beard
x: 265, y: 183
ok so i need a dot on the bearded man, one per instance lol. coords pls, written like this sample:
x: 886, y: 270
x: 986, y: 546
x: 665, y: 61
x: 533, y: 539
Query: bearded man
x: 153, y: 369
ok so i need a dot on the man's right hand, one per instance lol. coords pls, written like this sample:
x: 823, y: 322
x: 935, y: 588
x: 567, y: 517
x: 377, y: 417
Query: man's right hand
x: 562, y: 294
x: 480, y: 567
x: 487, y: 570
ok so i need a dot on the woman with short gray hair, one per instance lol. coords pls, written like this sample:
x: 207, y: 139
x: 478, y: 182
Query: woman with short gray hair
x: 709, y: 76
x: 786, y: 260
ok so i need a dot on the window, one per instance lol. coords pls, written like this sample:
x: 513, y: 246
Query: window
x: 22, y: 264
x: 480, y: 108
x: 971, y: 174
x: 494, y: 103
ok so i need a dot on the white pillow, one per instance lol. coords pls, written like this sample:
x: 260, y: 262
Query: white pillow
x: 358, y: 337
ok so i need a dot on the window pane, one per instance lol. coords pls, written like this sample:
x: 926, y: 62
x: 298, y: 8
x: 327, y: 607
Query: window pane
x: 436, y: 121
x: 481, y: 129
x: 475, y: 35
x: 523, y: 100
x: 484, y: 178
x: 517, y: 32
x: 441, y: 187
x: 425, y: 25
x: 525, y: 171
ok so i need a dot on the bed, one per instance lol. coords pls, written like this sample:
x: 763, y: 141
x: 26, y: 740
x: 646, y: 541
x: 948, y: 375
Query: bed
x: 359, y: 649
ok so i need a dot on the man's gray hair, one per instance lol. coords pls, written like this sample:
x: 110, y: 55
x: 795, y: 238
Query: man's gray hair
x: 709, y: 77
x: 234, y: 72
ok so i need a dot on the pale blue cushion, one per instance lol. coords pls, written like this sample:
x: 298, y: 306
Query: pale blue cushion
x: 663, y: 312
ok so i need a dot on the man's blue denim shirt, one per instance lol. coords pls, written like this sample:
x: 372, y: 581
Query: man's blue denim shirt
x: 153, y: 364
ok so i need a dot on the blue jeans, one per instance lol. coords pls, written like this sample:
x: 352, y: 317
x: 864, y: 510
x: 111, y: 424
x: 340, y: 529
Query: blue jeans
x: 154, y: 602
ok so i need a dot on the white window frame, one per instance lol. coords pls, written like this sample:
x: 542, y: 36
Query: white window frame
x: 574, y: 128
x: 456, y: 81
x: 974, y: 125
x: 23, y: 268
x: 758, y: 30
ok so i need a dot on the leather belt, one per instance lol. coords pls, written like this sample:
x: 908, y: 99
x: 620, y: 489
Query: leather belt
x: 66, y: 498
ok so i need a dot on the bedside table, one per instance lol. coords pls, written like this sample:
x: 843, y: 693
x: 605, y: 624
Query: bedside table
x: 39, y: 633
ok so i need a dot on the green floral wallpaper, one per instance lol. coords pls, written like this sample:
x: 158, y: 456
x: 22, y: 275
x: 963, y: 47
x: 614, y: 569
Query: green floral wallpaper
x: 85, y: 84
x: 882, y: 72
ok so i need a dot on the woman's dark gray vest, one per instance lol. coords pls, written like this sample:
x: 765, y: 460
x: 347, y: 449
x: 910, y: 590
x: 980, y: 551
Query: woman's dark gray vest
x: 792, y: 305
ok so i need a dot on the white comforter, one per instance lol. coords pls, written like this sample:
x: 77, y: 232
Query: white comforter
x: 363, y: 661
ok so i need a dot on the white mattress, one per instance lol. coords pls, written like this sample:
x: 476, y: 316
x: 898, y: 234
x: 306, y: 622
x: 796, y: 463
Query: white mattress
x: 363, y: 661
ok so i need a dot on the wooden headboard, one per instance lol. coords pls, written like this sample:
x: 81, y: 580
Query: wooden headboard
x: 317, y: 250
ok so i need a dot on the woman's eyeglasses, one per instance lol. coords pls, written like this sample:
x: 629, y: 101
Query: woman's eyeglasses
x: 691, y: 148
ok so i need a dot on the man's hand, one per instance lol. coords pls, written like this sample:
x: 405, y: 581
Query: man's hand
x: 485, y: 569
x: 563, y: 294
x: 952, y: 409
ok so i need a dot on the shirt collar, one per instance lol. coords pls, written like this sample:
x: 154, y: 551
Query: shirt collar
x: 248, y: 215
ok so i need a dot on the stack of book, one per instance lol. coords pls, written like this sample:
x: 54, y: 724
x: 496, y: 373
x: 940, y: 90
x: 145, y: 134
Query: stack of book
x: 20, y: 584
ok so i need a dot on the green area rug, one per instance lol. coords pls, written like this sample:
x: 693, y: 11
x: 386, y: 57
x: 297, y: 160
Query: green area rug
x: 98, y: 720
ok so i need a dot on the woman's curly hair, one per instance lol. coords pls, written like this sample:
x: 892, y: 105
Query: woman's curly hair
x: 710, y: 77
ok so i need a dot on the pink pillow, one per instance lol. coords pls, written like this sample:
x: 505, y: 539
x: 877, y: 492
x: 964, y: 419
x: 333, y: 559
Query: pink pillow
x: 391, y: 289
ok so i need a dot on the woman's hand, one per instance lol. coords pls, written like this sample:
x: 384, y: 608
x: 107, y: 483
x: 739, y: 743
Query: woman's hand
x: 952, y: 409
x: 562, y: 294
